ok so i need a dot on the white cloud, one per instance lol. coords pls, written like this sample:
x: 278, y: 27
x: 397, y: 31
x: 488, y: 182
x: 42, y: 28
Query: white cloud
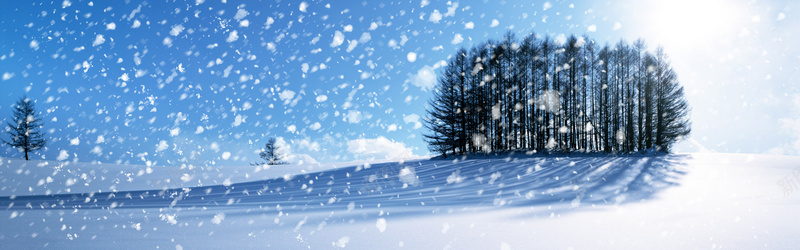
x: 425, y: 78
x: 378, y: 148
x: 295, y: 158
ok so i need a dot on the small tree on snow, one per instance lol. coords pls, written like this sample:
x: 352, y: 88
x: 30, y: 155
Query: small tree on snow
x: 270, y: 154
x: 24, y: 128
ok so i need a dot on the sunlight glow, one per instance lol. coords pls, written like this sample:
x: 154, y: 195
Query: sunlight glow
x: 684, y: 23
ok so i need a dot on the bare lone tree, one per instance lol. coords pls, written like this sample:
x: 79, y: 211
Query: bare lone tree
x: 24, y: 128
x: 270, y: 154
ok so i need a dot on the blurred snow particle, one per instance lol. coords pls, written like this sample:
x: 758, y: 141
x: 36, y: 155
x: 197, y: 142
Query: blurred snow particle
x: 547, y: 5
x: 174, y: 131
x: 315, y: 126
x: 469, y: 25
x: 218, y: 218
x: 322, y: 98
x: 233, y: 36
x: 34, y: 45
x: 167, y: 41
x: 424, y: 3
x: 494, y: 23
x: 176, y: 30
x: 136, y: 24
x: 338, y: 39
x: 445, y: 228
x: 291, y: 128
x: 99, y: 39
x: 355, y: 116
x: 351, y: 45
x: 780, y: 17
x: 240, y: 14
x: 560, y: 39
x: 7, y: 75
x: 435, y: 16
x: 591, y: 28
x: 75, y: 141
x: 413, y: 118
x: 62, y: 155
x: 617, y: 25
x: 162, y: 145
x: 409, y: 177
x: 226, y: 155
x: 238, y: 120
x: 381, y: 224
x: 286, y: 95
x: 348, y: 28
x: 457, y: 39
x: 303, y: 7
x: 365, y: 37
x: 425, y: 78
x: 505, y: 246
x: 111, y: 26
x: 342, y: 242
x: 411, y: 56
x: 66, y: 3
x: 199, y: 130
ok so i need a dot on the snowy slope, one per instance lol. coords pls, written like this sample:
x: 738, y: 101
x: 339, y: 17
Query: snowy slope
x: 514, y: 202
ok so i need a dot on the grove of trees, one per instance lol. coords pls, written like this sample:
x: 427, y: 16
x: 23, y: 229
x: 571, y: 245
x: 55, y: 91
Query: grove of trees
x: 541, y: 94
x: 25, y: 128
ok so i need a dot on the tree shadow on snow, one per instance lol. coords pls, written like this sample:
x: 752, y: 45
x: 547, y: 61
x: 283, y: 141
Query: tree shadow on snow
x: 564, y: 184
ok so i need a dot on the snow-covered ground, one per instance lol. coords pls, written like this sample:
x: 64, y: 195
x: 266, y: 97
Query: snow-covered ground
x: 511, y: 202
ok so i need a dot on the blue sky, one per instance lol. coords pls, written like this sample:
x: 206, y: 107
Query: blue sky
x: 208, y: 82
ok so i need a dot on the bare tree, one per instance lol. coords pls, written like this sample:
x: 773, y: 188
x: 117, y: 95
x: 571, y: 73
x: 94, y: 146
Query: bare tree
x: 538, y: 94
x: 24, y: 128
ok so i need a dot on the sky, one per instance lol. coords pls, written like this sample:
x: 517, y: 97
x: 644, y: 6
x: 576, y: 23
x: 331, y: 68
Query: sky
x: 209, y: 82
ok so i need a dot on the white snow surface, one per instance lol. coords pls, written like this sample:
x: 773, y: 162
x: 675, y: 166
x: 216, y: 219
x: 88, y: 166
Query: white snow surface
x: 680, y: 201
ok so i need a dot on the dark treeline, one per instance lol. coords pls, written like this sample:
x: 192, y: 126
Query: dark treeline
x: 537, y: 94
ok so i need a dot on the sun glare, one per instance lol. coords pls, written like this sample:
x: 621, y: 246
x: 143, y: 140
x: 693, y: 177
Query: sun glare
x: 685, y: 23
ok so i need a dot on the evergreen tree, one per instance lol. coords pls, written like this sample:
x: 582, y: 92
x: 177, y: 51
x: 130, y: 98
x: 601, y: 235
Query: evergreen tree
x: 24, y: 128
x: 271, y: 154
